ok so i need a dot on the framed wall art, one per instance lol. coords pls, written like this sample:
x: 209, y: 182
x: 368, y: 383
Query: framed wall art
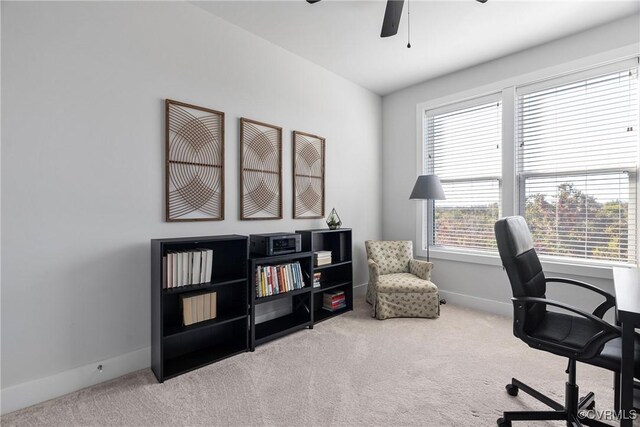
x: 308, y: 175
x: 194, y: 178
x: 260, y: 170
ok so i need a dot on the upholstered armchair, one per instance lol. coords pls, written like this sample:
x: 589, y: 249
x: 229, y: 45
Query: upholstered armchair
x: 399, y: 286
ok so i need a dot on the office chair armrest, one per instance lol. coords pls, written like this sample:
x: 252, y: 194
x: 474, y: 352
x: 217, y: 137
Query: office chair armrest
x: 602, y: 308
x: 420, y: 268
x: 374, y: 271
x: 590, y: 349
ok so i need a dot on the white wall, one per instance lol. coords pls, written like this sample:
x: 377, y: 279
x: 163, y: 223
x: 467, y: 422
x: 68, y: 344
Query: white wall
x: 484, y: 284
x: 83, y: 89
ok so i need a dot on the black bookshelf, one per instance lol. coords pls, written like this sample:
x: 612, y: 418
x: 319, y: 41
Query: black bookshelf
x: 299, y: 299
x: 175, y: 348
x: 337, y: 276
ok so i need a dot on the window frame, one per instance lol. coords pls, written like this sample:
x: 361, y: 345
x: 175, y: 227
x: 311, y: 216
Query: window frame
x: 510, y: 196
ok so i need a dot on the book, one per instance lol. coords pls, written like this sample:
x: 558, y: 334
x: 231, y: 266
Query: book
x: 276, y: 281
x: 258, y: 280
x: 207, y: 306
x: 200, y: 308
x: 195, y: 273
x: 203, y: 265
x: 174, y: 270
x: 300, y: 277
x: 178, y: 269
x: 189, y: 268
x: 316, y: 279
x: 164, y: 272
x: 185, y: 268
x: 187, y: 315
x: 209, y: 270
x: 333, y: 300
x: 212, y: 304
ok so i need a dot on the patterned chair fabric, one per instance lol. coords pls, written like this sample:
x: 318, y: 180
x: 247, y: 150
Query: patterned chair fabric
x: 399, y: 286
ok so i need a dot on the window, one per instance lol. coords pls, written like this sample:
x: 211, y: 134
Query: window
x: 577, y: 150
x: 462, y: 146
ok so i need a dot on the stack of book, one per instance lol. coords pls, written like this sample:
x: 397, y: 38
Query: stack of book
x: 198, y: 308
x: 187, y: 268
x: 316, y: 279
x: 276, y: 279
x: 333, y: 301
x: 322, y: 258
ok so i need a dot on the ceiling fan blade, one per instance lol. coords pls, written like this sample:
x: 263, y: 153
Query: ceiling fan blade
x: 316, y: 1
x: 392, y: 15
x: 481, y: 1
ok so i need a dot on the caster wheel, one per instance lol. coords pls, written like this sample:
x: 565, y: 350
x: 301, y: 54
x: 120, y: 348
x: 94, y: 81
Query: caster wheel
x: 512, y: 390
x: 503, y: 423
x: 443, y: 301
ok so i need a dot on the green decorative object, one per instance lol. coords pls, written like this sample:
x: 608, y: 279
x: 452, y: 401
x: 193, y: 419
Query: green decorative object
x: 333, y: 220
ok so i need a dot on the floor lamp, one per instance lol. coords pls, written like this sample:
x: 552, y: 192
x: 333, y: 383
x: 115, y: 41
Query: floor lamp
x: 427, y: 188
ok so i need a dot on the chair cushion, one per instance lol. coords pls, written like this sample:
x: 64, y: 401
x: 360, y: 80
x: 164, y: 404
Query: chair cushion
x: 404, y: 283
x: 610, y: 356
x: 576, y: 331
x: 564, y: 328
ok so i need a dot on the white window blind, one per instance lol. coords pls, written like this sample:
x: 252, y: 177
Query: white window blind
x: 577, y: 165
x: 463, y: 148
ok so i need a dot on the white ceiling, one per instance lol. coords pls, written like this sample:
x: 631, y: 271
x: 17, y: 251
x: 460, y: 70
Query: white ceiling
x: 344, y: 36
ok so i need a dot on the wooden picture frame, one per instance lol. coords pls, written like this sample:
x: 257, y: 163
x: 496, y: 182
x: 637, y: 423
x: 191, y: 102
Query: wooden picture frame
x: 194, y: 163
x: 308, y: 175
x: 260, y: 170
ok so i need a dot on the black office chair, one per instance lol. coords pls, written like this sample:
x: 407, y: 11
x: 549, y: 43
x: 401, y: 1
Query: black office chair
x: 575, y: 334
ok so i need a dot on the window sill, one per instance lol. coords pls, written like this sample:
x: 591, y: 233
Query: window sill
x: 584, y: 269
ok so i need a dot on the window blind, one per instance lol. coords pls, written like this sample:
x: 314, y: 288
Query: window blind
x: 577, y: 166
x: 463, y: 149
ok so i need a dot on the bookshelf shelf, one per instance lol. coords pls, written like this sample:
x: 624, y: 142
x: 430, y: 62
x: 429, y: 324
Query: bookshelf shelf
x: 325, y: 314
x: 335, y: 277
x: 327, y: 286
x: 270, y: 298
x: 279, y: 327
x: 176, y: 348
x: 219, y: 320
x: 199, y: 358
x: 335, y: 264
x: 205, y: 286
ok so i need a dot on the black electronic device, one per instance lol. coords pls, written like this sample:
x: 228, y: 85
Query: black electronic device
x: 275, y: 244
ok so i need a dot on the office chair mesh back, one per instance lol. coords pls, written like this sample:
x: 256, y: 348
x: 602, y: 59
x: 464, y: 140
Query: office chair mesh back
x: 523, y: 267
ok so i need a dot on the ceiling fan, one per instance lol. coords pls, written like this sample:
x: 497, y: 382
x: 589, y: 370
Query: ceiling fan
x: 392, y: 15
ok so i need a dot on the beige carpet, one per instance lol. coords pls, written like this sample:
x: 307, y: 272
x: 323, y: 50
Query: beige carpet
x: 351, y: 370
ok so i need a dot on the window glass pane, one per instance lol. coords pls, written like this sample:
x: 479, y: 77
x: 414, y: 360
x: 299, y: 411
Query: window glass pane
x: 463, y: 149
x: 465, y: 219
x: 577, y: 162
x: 585, y: 216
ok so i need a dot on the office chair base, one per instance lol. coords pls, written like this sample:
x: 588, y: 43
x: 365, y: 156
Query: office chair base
x: 560, y: 412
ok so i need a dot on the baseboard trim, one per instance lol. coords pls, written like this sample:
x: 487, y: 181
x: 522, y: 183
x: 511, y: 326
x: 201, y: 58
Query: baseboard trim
x: 40, y: 390
x: 359, y: 290
x: 32, y: 392
x: 482, y: 304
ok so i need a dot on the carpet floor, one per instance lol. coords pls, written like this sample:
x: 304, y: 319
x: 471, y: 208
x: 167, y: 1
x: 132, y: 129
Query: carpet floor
x: 350, y: 370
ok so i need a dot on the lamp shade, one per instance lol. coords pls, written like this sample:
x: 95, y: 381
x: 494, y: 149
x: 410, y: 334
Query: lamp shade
x: 427, y: 187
